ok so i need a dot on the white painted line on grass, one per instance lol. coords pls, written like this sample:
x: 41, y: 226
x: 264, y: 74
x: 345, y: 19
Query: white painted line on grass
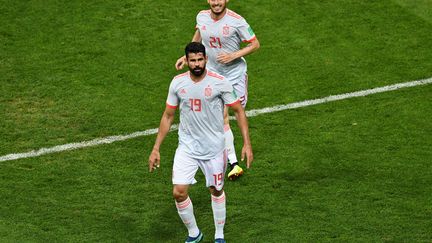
x: 89, y: 143
x: 305, y: 103
x: 250, y: 113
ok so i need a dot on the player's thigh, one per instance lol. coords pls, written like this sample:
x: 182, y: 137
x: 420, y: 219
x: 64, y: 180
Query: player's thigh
x: 184, y: 168
x: 214, y: 170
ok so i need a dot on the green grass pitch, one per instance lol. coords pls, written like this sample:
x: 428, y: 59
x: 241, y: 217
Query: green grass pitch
x: 355, y: 170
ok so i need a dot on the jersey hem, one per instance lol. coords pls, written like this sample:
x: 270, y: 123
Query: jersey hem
x: 189, y: 153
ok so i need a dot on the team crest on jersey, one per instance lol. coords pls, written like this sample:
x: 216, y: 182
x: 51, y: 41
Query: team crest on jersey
x: 203, y: 27
x: 226, y: 30
x: 208, y: 91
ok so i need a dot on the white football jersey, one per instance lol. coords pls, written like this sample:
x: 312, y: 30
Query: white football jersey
x: 201, y: 104
x: 224, y: 35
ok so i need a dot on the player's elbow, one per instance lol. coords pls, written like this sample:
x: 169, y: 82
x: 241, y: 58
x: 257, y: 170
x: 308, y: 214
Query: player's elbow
x: 256, y: 44
x: 168, y: 115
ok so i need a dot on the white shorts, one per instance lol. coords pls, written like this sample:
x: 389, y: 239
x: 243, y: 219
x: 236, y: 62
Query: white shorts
x: 185, y: 168
x: 241, y: 88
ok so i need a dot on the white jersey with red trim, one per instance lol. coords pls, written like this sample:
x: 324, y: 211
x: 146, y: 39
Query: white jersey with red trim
x: 224, y: 36
x: 201, y: 104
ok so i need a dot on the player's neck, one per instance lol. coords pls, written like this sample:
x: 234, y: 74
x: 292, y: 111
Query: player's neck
x: 197, y: 79
x: 217, y: 17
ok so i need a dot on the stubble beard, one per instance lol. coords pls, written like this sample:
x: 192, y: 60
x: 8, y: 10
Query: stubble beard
x: 197, y: 72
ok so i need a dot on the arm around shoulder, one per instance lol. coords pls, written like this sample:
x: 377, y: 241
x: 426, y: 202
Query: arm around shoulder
x: 181, y: 62
x: 252, y: 47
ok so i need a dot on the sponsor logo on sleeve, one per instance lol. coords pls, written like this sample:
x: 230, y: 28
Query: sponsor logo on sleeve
x: 250, y: 31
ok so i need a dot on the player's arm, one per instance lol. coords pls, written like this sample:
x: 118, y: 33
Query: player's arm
x: 181, y: 62
x: 197, y: 36
x: 243, y: 125
x: 165, y: 124
x: 253, y: 46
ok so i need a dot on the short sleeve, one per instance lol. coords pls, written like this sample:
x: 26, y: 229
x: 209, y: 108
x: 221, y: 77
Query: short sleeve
x: 198, y: 21
x: 245, y: 31
x: 172, y: 99
x: 228, y: 93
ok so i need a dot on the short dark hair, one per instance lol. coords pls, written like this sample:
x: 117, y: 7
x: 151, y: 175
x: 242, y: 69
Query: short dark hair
x: 195, y: 47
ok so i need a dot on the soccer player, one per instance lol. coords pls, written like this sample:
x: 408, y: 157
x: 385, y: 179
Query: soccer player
x: 221, y: 31
x: 200, y: 94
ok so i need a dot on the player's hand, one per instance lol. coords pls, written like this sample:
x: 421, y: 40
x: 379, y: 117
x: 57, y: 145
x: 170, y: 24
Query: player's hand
x: 181, y: 62
x: 225, y: 58
x: 247, y: 151
x: 154, y: 160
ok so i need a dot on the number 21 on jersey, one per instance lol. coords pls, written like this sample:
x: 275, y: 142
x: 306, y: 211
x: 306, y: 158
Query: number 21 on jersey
x: 215, y: 42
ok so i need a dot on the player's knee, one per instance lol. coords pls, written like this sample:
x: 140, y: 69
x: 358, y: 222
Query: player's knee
x: 179, y: 194
x: 215, y: 192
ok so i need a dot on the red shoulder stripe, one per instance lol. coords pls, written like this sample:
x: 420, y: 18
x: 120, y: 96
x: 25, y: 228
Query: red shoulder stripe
x: 234, y: 14
x: 204, y: 11
x: 215, y: 75
x: 181, y: 75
